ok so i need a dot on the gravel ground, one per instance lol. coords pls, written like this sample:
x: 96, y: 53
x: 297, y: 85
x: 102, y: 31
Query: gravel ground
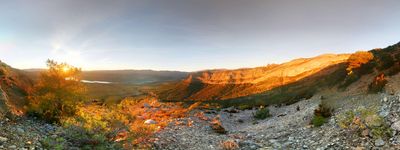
x: 288, y: 128
x: 24, y: 133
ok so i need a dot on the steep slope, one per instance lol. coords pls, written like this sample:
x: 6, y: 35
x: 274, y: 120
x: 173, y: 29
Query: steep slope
x: 228, y: 84
x: 287, y: 82
x: 361, y: 118
x: 13, y: 90
x: 295, y: 68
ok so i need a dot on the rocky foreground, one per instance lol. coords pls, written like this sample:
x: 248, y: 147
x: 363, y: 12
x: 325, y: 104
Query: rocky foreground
x: 288, y: 128
x: 25, y: 133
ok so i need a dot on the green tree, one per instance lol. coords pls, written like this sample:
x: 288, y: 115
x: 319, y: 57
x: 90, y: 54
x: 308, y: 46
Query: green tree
x: 57, y: 92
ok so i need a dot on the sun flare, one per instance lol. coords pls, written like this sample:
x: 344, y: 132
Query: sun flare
x: 66, y: 69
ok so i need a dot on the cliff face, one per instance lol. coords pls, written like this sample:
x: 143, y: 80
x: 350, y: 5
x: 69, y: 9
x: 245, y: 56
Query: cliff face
x: 13, y: 90
x: 228, y: 84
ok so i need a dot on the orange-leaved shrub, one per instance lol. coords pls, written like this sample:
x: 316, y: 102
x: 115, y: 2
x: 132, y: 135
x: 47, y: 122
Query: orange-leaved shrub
x: 57, y: 92
x: 359, y: 63
x: 229, y: 145
x: 378, y: 84
x: 357, y: 59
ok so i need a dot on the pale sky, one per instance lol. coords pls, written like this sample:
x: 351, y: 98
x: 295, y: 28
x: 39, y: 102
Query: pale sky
x: 189, y: 35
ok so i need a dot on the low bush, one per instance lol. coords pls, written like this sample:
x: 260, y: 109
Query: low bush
x: 395, y: 69
x: 384, y: 60
x: 378, y: 84
x: 345, y: 119
x: 244, y: 107
x: 54, y: 143
x: 262, y: 113
x: 86, y: 139
x: 318, y: 121
x: 397, y: 56
x: 90, y: 133
x: 381, y: 131
x: 321, y: 115
x: 323, y: 111
x: 364, y: 119
x: 351, y: 78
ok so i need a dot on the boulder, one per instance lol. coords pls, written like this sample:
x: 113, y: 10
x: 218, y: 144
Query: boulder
x: 20, y: 130
x: 146, y: 105
x: 3, y: 139
x: 379, y: 142
x: 231, y: 110
x: 396, y: 126
x: 384, y: 111
x: 216, y: 125
x: 365, y: 133
x: 12, y: 147
x: 150, y: 121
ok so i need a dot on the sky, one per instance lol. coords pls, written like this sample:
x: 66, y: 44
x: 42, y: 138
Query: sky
x: 189, y: 35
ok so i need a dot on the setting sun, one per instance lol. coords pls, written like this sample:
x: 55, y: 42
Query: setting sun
x: 65, y: 69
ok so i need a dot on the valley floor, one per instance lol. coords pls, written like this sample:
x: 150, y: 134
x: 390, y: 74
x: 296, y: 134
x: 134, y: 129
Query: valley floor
x: 288, y: 128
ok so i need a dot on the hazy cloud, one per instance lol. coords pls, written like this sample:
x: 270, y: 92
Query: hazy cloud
x: 159, y: 34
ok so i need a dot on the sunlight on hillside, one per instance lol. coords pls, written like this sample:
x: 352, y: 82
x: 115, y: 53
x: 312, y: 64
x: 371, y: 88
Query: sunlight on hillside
x: 199, y: 75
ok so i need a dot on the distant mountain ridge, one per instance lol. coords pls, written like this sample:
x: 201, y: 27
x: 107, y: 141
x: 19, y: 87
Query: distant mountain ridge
x: 286, y: 82
x: 133, y: 76
x: 261, y: 74
x: 124, y: 76
x: 228, y: 84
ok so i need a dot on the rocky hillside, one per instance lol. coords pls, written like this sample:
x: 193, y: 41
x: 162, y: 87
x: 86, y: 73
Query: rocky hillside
x: 283, y: 83
x: 361, y: 117
x: 289, y: 127
x: 298, y: 68
x: 228, y: 84
x: 13, y: 90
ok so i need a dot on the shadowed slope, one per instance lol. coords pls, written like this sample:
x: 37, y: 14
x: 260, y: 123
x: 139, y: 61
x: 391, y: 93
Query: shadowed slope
x: 13, y: 90
x: 289, y: 82
x: 228, y: 84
